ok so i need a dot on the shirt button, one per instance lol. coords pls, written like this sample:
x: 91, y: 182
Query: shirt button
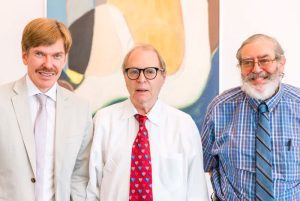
x: 33, y: 180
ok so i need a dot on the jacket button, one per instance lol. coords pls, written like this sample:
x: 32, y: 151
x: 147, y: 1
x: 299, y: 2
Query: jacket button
x: 33, y: 180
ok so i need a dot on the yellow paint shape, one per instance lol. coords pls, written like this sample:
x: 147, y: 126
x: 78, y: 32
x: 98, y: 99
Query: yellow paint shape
x: 158, y: 22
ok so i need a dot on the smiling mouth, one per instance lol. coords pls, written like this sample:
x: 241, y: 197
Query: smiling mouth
x: 46, y: 73
x: 257, y: 77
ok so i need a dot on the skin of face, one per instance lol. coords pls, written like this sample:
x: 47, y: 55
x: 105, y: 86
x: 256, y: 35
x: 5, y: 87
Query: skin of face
x: 44, y: 64
x: 143, y: 92
x: 261, y: 48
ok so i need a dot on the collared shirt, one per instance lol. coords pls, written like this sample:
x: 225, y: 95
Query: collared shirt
x: 228, y: 137
x: 176, y: 154
x: 48, y: 186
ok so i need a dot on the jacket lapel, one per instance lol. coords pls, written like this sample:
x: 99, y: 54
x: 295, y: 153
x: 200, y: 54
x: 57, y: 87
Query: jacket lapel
x: 62, y: 124
x: 22, y: 110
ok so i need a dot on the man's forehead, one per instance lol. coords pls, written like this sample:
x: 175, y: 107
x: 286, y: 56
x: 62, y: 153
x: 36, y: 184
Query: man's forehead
x: 140, y: 51
x: 258, y: 48
x: 141, y: 55
x: 51, y: 49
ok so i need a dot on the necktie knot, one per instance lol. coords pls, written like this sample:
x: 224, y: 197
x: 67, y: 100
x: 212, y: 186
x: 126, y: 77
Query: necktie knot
x: 262, y: 108
x: 141, y: 119
x: 42, y: 99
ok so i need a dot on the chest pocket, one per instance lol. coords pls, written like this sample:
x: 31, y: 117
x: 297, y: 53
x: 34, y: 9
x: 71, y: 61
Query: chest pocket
x: 288, y: 157
x: 171, y: 171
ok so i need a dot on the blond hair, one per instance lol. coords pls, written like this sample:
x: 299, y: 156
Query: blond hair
x: 44, y: 31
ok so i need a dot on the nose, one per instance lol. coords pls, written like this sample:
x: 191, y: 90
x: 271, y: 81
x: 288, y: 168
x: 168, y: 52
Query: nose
x: 142, y: 77
x: 48, y: 62
x: 256, y: 67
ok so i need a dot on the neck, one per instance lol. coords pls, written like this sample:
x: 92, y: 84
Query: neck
x: 143, y: 108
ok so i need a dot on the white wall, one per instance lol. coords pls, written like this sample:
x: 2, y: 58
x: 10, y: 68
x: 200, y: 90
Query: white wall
x: 14, y: 15
x: 240, y: 19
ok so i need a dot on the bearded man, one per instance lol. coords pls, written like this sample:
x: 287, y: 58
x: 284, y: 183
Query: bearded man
x: 250, y: 135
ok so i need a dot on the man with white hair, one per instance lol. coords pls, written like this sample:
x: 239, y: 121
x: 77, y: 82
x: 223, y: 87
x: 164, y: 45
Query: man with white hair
x: 250, y: 135
x: 142, y: 148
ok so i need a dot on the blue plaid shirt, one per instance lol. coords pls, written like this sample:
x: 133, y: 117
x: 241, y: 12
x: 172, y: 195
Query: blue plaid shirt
x: 228, y: 137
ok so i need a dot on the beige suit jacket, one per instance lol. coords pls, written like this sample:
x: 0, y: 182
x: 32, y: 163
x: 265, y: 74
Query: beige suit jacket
x: 73, y: 133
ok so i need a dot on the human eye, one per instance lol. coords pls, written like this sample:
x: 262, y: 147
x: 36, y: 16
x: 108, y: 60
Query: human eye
x: 58, y: 56
x: 264, y: 62
x: 39, y: 54
x: 150, y: 71
x: 247, y: 63
x: 133, y: 71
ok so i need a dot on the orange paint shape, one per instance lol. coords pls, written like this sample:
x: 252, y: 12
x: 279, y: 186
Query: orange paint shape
x: 159, y: 23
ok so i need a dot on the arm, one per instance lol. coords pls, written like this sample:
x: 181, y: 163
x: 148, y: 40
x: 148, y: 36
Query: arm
x: 207, y: 135
x: 197, y: 187
x: 80, y: 173
x: 96, y: 163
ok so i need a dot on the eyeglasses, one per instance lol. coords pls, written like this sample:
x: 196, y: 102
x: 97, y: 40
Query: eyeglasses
x: 150, y: 72
x: 250, y: 63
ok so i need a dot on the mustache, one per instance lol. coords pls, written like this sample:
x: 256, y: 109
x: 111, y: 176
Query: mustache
x: 47, y: 70
x: 253, y: 76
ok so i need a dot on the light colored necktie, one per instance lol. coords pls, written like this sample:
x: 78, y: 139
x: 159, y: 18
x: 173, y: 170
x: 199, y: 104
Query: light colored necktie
x: 141, y: 168
x: 264, y: 183
x: 40, y: 134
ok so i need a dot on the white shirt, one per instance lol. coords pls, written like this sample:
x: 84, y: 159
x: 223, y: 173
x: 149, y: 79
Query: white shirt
x: 48, y: 186
x: 176, y: 153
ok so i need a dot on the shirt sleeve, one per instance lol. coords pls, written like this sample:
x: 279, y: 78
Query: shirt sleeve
x: 197, y: 187
x: 80, y: 174
x: 208, y: 137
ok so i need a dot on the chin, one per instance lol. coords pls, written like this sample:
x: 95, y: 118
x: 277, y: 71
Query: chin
x: 262, y: 91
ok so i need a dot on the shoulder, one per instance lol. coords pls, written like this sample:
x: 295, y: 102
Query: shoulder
x: 7, y: 91
x: 77, y: 104
x: 109, y: 112
x: 175, y: 114
x: 6, y: 88
x: 71, y: 96
x: 291, y: 92
x: 227, y: 97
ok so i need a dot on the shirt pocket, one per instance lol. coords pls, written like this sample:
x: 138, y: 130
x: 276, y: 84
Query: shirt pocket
x: 288, y: 158
x: 171, y: 171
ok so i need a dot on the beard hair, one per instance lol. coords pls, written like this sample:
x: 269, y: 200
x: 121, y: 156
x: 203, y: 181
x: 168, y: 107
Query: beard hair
x: 262, y: 92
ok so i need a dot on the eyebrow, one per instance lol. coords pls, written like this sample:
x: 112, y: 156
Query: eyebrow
x: 259, y: 57
x: 54, y: 53
x: 263, y: 56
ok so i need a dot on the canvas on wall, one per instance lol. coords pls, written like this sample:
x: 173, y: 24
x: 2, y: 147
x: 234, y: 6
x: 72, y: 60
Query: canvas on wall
x: 103, y: 31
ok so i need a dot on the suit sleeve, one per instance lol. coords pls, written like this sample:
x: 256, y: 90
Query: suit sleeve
x: 80, y: 173
x: 96, y: 161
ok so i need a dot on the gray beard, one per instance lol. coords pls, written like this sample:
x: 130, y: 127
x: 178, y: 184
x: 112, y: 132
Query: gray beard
x: 262, y: 92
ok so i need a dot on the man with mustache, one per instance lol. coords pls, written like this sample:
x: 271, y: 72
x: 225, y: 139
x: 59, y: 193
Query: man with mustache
x: 142, y: 148
x: 45, y: 130
x: 250, y: 135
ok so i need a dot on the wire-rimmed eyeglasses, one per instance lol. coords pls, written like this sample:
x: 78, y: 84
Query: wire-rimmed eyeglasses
x: 262, y: 62
x: 150, y: 73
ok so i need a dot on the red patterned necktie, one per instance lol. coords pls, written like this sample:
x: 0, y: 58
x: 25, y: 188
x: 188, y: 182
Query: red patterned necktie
x: 141, y: 171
